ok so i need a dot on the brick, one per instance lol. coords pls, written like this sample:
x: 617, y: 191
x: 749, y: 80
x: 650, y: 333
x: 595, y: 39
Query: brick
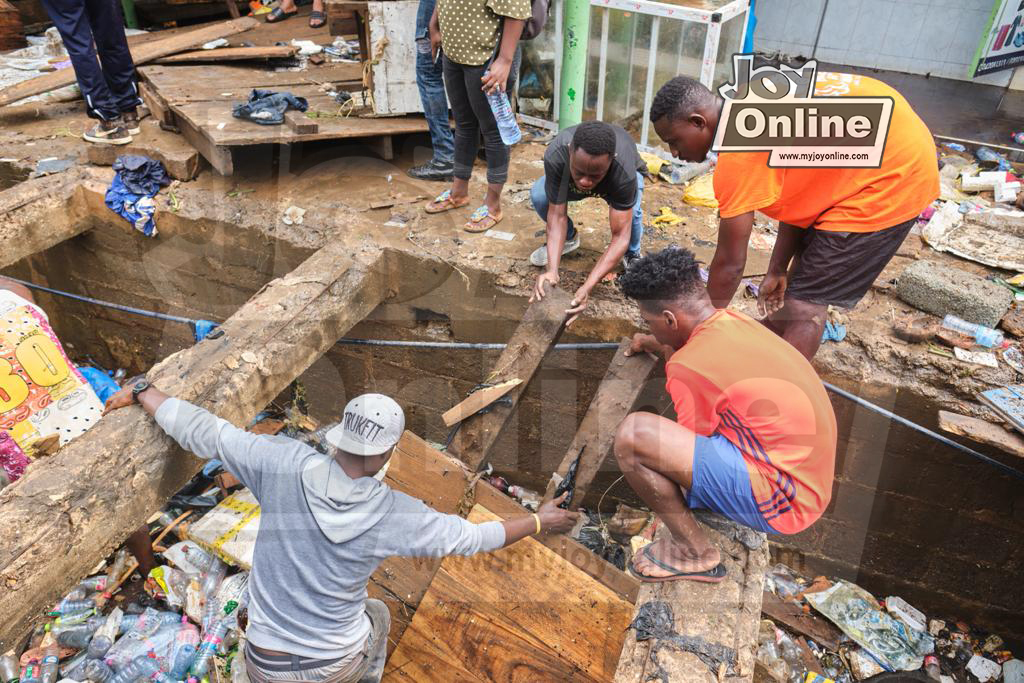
x: 940, y: 289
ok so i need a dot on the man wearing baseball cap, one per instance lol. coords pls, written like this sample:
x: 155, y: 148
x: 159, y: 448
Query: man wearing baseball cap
x: 326, y: 523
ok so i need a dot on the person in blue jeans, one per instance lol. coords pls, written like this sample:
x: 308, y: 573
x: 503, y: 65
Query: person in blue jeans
x: 435, y: 105
x: 592, y: 159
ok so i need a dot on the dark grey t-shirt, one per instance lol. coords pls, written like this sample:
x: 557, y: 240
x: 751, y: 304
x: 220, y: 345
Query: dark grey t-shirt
x: 618, y: 187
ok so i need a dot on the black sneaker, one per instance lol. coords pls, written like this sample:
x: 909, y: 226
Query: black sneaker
x: 629, y: 257
x: 130, y: 122
x: 108, y: 133
x: 432, y: 170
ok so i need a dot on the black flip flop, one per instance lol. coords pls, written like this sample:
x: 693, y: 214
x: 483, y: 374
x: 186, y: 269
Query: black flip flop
x: 713, y: 575
x: 277, y: 14
x: 321, y: 16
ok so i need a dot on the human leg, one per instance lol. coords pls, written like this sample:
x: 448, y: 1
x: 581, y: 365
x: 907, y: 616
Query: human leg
x: 377, y: 644
x: 107, y: 24
x: 656, y: 456
x: 467, y: 128
x: 637, y: 228
x: 72, y: 22
x: 430, y: 83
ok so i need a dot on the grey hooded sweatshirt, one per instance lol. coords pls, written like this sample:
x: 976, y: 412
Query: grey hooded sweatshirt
x: 321, y: 533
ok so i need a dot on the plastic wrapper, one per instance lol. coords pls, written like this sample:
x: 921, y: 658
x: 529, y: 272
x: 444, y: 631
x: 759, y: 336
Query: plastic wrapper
x: 856, y: 613
x: 188, y: 557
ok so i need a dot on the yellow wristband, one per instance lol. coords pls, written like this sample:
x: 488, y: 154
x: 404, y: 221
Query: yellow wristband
x: 536, y: 518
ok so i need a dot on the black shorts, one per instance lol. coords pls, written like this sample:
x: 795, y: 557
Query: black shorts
x: 838, y: 268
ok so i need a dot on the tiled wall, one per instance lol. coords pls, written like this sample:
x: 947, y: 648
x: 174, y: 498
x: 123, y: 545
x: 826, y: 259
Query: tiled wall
x: 937, y: 37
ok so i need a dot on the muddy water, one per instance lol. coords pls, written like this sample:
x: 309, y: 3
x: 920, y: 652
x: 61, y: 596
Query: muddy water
x: 11, y: 174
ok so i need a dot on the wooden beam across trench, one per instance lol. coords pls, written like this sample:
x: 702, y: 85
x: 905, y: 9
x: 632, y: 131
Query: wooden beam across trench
x: 69, y: 511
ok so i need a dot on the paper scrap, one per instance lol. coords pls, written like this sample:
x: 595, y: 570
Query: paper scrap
x: 986, y: 358
x: 500, y: 235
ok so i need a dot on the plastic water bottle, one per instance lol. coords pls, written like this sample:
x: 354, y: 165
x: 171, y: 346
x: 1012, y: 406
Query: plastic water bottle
x: 208, y: 647
x: 117, y: 568
x: 94, y: 583
x: 77, y: 636
x: 507, y: 125
x: 183, y: 651
x: 97, y: 671
x: 72, y: 606
x: 985, y: 336
x: 72, y: 618
x: 211, y: 582
x: 74, y: 668
x: 51, y: 662
x: 140, y: 667
x: 9, y: 670
x: 105, y: 635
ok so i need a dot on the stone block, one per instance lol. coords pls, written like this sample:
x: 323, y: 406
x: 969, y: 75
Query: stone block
x: 938, y: 289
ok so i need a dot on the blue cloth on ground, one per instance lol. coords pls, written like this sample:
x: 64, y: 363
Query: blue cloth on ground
x: 267, y: 107
x: 101, y: 383
x: 833, y: 332
x: 123, y: 198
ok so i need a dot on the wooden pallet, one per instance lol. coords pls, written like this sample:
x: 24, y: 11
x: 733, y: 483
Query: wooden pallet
x: 198, y: 100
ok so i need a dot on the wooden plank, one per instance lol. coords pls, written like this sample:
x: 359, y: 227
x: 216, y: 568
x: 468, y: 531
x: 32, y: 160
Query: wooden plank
x: 158, y: 107
x: 519, y: 613
x: 1008, y: 403
x: 183, y: 83
x: 982, y: 431
x: 12, y: 33
x: 616, y: 395
x: 300, y: 123
x: 541, y: 327
x: 146, y: 52
x: 477, y: 401
x: 794, y: 618
x: 34, y: 217
x: 88, y: 497
x: 383, y: 146
x: 218, y: 156
x: 231, y: 54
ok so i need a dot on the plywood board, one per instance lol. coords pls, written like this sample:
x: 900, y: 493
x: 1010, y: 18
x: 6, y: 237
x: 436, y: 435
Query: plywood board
x: 392, y: 51
x: 477, y: 401
x: 520, y: 613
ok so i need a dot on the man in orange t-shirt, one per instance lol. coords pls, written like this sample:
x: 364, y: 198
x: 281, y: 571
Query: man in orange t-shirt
x: 755, y: 434
x: 838, y: 227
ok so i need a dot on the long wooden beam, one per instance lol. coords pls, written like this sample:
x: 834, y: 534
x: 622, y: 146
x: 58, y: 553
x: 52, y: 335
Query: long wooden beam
x: 615, y: 398
x: 68, y: 512
x: 146, y: 52
x: 34, y: 216
x: 537, y: 333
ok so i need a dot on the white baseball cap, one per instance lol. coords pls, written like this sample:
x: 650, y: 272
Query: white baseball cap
x: 370, y: 425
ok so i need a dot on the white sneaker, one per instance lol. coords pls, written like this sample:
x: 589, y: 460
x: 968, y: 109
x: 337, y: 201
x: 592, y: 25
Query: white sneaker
x: 539, y: 257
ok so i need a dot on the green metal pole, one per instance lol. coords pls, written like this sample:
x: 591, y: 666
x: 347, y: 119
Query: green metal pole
x: 573, y: 82
x: 131, y: 20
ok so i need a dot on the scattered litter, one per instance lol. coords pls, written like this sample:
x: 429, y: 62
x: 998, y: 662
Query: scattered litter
x: 293, y: 215
x: 986, y: 358
x: 983, y: 669
x: 908, y: 614
x: 655, y: 620
x: 52, y: 165
x: 221, y: 125
x: 1014, y: 358
x: 954, y: 146
x: 307, y: 47
x: 701, y: 192
x: 214, y: 44
x: 985, y: 336
x: 992, y: 158
x: 267, y: 107
x: 1008, y: 402
x: 855, y: 612
x: 833, y: 332
x: 398, y: 220
x: 667, y: 216
x: 678, y: 174
x: 500, y: 235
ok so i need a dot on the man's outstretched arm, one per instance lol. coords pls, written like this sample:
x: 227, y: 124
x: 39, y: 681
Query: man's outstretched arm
x: 730, y: 258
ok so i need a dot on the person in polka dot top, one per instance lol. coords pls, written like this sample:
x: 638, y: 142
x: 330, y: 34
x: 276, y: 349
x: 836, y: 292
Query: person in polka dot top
x: 479, y: 39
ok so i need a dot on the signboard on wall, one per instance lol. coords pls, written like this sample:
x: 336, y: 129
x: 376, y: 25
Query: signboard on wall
x: 1002, y: 44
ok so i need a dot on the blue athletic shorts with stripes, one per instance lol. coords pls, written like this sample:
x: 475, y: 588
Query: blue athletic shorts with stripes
x: 721, y: 483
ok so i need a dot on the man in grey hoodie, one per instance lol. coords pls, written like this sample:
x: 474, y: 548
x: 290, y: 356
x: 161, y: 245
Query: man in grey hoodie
x: 326, y: 524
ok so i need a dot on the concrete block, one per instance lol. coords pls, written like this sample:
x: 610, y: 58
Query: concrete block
x: 939, y: 290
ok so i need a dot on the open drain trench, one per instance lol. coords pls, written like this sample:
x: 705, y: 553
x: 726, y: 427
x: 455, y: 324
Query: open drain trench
x: 314, y: 298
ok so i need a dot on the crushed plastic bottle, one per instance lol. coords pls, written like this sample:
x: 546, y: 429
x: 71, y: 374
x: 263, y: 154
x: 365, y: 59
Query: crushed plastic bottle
x: 77, y: 636
x: 117, y: 568
x: 990, y: 155
x: 208, y: 648
x: 74, y: 668
x: 97, y: 671
x: 9, y: 671
x: 986, y: 336
x: 529, y: 499
x: 48, y: 667
x: 105, y: 635
x: 140, y: 667
x: 94, y: 583
x: 212, y: 580
x: 66, y: 606
x: 782, y: 581
x: 73, y: 618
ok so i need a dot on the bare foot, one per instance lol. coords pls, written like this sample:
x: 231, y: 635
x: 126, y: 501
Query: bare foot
x: 674, y: 555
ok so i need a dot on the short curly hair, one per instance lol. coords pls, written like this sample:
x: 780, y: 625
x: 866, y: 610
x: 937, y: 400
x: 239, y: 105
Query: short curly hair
x: 667, y: 275
x: 680, y: 97
x: 595, y: 138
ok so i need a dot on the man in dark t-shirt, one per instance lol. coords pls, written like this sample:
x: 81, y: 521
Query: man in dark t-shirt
x: 593, y: 159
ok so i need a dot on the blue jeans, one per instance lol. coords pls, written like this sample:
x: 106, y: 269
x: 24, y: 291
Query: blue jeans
x: 430, y: 82
x: 539, y: 198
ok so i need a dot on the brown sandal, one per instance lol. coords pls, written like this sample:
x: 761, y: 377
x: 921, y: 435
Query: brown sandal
x: 478, y: 220
x: 444, y: 202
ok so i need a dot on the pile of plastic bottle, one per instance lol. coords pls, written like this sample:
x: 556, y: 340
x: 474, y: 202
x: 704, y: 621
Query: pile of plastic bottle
x: 137, y: 643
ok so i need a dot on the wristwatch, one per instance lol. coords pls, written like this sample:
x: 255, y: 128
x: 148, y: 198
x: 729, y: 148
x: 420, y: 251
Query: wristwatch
x: 138, y: 388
